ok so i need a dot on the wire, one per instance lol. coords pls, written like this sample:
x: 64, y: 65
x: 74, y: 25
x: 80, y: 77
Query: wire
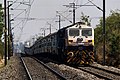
x: 74, y: 1
x: 75, y: 9
x: 95, y: 5
x: 18, y: 4
x: 25, y: 21
x: 65, y: 17
x: 18, y: 15
x: 21, y: 21
x: 17, y: 24
x: 32, y: 2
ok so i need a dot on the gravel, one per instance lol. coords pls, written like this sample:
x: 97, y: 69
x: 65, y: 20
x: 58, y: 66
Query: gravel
x: 73, y: 73
x: 38, y: 71
x: 13, y: 70
x: 107, y: 67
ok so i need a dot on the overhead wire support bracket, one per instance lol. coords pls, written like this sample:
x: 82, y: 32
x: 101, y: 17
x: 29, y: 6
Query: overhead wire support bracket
x: 95, y: 5
x: 72, y: 5
x: 63, y: 16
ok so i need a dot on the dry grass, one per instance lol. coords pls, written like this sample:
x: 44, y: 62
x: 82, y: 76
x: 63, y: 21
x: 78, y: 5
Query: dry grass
x: 1, y: 63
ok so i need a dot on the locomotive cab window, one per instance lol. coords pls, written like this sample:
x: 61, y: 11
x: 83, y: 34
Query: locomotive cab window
x: 87, y: 32
x: 73, y: 32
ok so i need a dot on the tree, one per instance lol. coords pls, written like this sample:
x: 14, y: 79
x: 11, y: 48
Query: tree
x: 1, y: 30
x: 85, y: 18
x: 112, y: 37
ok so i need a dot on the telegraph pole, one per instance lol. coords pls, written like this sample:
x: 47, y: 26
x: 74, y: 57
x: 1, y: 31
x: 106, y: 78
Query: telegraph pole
x: 5, y: 34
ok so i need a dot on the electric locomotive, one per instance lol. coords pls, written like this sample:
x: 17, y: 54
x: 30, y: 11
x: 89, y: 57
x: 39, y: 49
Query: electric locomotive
x: 76, y: 43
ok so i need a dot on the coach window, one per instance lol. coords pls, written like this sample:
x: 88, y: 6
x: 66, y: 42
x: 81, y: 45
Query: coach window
x: 74, y: 32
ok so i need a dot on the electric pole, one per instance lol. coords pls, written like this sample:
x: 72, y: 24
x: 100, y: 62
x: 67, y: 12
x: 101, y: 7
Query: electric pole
x: 49, y: 27
x: 44, y: 32
x: 103, y: 32
x: 11, y: 38
x: 43, y: 29
x: 59, y: 21
x: 73, y: 13
x: 5, y: 34
x: 8, y: 31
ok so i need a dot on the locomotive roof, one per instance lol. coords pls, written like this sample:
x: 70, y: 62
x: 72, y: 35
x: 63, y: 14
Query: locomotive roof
x: 77, y: 23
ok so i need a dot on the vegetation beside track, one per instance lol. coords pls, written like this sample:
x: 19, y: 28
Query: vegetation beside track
x: 1, y: 32
x: 112, y: 39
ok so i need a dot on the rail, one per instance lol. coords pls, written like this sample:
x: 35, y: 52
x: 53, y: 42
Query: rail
x: 52, y: 70
x: 26, y: 69
x: 101, y: 73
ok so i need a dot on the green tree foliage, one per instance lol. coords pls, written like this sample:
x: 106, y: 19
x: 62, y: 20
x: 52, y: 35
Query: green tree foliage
x: 85, y: 18
x: 112, y: 37
x: 1, y: 30
x: 1, y: 21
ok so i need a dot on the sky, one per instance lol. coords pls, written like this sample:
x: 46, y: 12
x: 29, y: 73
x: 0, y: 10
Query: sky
x: 31, y: 17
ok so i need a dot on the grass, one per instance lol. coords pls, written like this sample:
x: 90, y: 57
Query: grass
x: 1, y: 65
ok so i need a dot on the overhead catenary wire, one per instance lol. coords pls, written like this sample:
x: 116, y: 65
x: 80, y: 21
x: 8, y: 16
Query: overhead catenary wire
x: 18, y: 14
x: 75, y: 1
x: 95, y: 5
x: 18, y: 4
x: 67, y: 11
x: 52, y: 21
x: 71, y: 13
x: 27, y: 15
x: 17, y: 24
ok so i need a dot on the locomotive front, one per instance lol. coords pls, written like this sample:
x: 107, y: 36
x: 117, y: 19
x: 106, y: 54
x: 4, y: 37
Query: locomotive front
x: 79, y: 44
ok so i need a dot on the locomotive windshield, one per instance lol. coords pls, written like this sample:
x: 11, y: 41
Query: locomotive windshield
x: 74, y: 32
x: 87, y: 32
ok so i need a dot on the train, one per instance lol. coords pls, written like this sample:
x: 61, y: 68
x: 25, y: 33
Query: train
x: 73, y: 44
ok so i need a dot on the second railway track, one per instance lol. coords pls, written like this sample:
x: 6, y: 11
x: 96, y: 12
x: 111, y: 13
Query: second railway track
x: 101, y: 73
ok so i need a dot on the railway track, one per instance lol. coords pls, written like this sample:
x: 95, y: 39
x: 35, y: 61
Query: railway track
x: 52, y: 70
x: 101, y: 73
x: 26, y: 69
x: 37, y: 70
